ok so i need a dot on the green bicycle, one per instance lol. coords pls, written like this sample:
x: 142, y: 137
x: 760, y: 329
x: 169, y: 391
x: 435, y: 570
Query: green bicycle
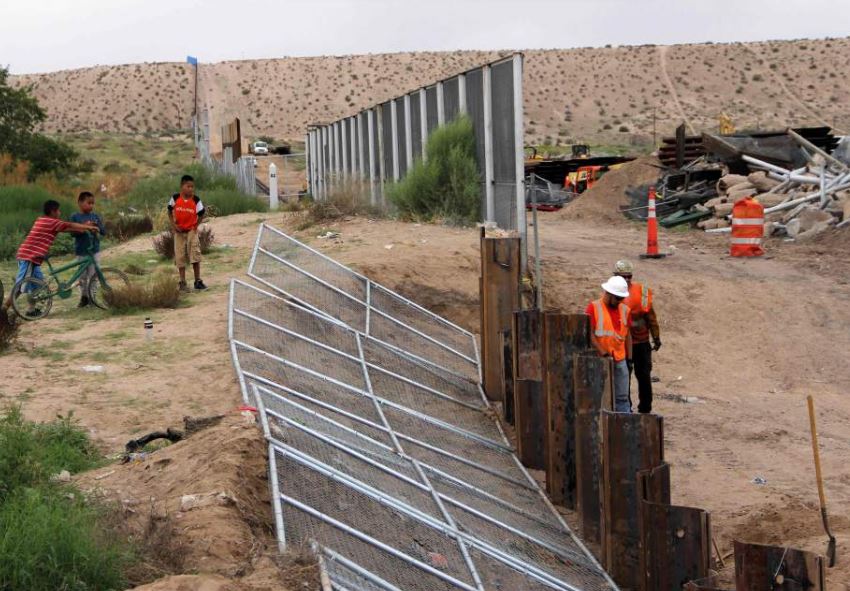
x: 32, y: 298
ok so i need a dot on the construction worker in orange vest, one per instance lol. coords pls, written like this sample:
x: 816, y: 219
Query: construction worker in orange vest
x: 643, y: 324
x: 609, y: 333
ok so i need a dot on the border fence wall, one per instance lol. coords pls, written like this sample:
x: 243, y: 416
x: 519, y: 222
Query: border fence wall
x: 380, y: 144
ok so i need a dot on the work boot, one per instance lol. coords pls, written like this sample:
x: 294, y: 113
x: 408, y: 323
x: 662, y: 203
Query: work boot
x: 199, y: 285
x: 184, y: 288
x: 84, y: 301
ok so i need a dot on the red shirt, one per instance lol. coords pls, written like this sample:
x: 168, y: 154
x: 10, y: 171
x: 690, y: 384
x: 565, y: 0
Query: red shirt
x: 37, y: 243
x: 615, y: 316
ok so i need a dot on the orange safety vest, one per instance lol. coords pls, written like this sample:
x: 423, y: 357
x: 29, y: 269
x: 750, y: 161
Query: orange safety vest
x: 639, y: 303
x: 185, y: 213
x: 747, y: 228
x: 614, y: 342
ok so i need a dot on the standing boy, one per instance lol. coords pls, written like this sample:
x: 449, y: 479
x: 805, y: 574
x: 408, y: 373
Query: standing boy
x: 36, y: 245
x: 186, y: 212
x: 87, y: 241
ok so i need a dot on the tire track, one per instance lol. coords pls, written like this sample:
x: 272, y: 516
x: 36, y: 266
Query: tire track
x: 662, y: 58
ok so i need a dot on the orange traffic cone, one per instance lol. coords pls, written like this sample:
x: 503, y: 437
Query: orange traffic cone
x: 652, y: 230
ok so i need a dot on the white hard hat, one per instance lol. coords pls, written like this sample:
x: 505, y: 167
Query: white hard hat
x: 617, y: 286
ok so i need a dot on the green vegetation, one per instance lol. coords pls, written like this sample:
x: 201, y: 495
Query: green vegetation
x: 134, y: 154
x: 19, y: 207
x: 447, y: 184
x: 52, y: 537
x: 160, y: 291
x: 218, y: 192
x: 20, y: 114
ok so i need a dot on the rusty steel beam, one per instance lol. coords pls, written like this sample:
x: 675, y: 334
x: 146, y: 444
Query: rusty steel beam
x: 675, y: 545
x: 630, y: 443
x: 594, y: 392
x: 776, y: 568
x: 563, y: 336
x: 654, y: 484
x: 499, y: 297
x: 707, y: 584
x: 508, y: 375
x: 529, y: 401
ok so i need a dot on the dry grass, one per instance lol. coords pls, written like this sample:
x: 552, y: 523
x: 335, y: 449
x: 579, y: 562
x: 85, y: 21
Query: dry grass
x: 8, y: 330
x: 161, y: 550
x: 125, y: 227
x: 164, y: 243
x: 349, y: 199
x: 161, y: 291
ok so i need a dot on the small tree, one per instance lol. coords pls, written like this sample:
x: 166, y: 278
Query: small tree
x: 447, y: 184
x: 20, y: 113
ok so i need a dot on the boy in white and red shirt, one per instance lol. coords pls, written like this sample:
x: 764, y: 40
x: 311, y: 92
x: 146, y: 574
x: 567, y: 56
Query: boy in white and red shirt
x: 186, y: 211
x: 34, y: 248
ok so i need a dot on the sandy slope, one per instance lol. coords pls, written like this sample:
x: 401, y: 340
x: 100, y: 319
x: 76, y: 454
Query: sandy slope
x: 603, y: 95
x: 748, y: 338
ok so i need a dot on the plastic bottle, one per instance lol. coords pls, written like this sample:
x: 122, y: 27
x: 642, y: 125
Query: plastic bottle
x: 148, y: 329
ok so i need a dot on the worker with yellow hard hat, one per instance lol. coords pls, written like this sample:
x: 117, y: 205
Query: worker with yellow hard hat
x: 643, y: 324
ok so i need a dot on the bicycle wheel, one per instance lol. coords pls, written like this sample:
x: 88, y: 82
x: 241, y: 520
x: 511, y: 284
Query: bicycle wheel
x: 99, y: 290
x: 32, y: 298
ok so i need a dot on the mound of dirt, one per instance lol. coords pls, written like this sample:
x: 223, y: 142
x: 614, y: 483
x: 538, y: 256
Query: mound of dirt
x: 201, y: 507
x: 603, y: 200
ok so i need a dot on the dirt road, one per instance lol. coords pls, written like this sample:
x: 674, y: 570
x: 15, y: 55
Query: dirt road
x: 744, y: 342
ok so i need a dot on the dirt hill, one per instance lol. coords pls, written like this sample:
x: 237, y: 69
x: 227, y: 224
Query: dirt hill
x: 602, y: 95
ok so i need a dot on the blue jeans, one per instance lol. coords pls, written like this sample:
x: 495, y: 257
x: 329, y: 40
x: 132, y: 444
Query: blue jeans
x: 622, y: 402
x: 28, y: 269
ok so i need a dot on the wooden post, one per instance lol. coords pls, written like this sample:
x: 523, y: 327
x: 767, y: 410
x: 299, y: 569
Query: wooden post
x: 529, y: 405
x: 777, y: 568
x: 563, y: 336
x: 594, y: 392
x: 500, y: 268
x: 630, y: 443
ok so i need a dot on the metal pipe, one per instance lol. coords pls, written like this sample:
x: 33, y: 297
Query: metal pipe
x: 371, y: 577
x: 278, y: 510
x: 807, y: 144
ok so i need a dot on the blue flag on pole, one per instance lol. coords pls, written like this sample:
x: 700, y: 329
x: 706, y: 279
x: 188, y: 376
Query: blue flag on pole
x: 192, y: 60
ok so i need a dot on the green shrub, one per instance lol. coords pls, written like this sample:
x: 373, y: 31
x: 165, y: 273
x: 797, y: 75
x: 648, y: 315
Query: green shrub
x: 20, y: 205
x: 163, y: 243
x: 160, y: 291
x: 54, y: 541
x: 31, y: 452
x: 51, y: 537
x: 446, y: 185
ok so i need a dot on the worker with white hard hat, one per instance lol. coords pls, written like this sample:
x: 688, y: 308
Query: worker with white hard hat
x: 609, y: 333
x: 643, y: 324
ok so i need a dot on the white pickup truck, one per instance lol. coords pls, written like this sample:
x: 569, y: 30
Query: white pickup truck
x: 260, y: 148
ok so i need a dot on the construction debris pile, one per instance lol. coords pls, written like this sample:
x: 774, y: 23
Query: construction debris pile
x: 799, y: 176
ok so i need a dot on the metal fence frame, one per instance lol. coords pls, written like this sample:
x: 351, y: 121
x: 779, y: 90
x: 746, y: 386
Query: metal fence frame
x: 344, y: 150
x: 291, y: 409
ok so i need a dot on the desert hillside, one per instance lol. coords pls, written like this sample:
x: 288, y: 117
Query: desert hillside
x: 599, y: 95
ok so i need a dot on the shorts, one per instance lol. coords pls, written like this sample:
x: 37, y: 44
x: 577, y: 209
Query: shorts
x: 187, y: 248
x: 28, y: 269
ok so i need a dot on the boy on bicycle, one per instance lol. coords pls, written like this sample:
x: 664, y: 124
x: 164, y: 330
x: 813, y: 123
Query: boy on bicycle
x: 85, y: 241
x: 37, y: 244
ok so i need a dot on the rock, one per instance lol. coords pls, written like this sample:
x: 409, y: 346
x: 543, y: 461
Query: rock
x: 816, y: 229
x: 713, y: 224
x: 189, y: 502
x: 63, y: 476
x: 723, y: 210
x: 728, y: 181
x: 771, y: 199
x: 740, y: 191
x: 792, y: 228
x: 811, y: 215
x: 761, y: 181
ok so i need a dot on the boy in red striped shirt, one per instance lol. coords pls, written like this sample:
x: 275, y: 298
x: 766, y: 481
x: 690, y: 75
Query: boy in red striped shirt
x: 34, y: 248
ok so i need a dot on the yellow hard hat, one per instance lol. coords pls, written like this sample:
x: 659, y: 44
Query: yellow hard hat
x: 624, y: 267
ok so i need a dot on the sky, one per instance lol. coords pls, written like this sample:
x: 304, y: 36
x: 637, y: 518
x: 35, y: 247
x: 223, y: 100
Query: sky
x: 48, y: 35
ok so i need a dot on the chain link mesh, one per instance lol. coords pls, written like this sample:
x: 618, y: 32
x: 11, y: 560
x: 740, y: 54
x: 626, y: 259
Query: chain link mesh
x: 374, y: 411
